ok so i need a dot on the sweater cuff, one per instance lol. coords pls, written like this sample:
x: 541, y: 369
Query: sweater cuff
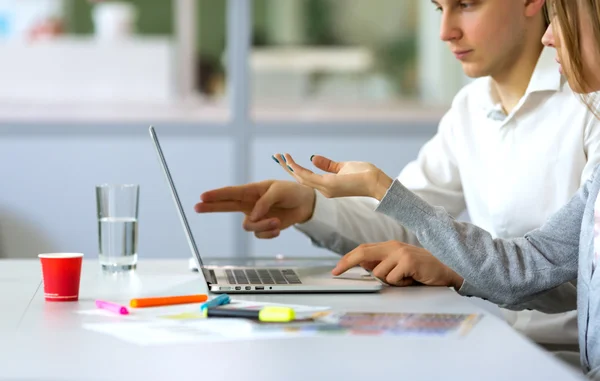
x: 468, y: 290
x: 405, y: 207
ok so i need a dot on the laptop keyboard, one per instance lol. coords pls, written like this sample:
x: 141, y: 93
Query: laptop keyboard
x: 262, y: 276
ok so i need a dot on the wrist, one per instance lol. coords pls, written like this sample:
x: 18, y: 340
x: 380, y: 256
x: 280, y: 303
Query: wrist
x: 310, y: 206
x: 383, y: 183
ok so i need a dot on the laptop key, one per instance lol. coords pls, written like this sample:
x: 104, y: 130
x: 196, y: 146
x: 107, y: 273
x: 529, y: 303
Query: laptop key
x: 240, y: 276
x: 253, y: 277
x: 277, y: 277
x: 230, y: 277
x: 251, y: 273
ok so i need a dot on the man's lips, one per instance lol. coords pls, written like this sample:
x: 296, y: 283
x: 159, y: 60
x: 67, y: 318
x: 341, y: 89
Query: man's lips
x: 460, y: 54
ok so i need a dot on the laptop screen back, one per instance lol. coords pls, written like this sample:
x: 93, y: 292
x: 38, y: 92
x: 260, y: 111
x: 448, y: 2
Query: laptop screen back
x: 182, y: 218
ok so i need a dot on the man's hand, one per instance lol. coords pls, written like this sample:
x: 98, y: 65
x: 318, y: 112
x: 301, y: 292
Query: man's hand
x: 400, y: 264
x: 270, y: 206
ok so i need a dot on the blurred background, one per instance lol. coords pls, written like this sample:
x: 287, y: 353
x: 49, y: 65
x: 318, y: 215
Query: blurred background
x: 226, y: 83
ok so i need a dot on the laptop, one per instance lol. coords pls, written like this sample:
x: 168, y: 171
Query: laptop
x: 244, y: 279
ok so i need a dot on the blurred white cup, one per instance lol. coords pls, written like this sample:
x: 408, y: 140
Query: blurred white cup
x: 114, y: 20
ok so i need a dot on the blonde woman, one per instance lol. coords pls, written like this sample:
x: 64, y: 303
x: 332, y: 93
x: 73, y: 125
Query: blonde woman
x: 505, y: 271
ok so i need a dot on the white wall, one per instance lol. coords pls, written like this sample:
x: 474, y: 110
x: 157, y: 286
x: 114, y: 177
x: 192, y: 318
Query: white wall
x: 47, y: 199
x: 48, y: 174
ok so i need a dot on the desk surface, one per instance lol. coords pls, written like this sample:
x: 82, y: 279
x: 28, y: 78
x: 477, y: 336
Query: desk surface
x: 45, y: 334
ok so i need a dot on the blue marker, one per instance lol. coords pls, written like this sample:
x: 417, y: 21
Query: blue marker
x: 214, y: 302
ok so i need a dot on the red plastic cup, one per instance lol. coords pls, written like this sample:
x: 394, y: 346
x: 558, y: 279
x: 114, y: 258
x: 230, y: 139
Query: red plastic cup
x: 61, y: 273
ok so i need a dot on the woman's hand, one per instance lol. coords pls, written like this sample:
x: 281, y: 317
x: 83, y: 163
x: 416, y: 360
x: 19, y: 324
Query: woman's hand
x: 344, y: 179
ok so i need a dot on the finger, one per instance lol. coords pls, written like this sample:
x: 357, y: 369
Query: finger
x: 401, y: 274
x: 405, y: 282
x: 399, y: 277
x: 268, y: 234
x: 261, y: 226
x: 325, y: 164
x: 247, y: 192
x: 357, y: 256
x: 369, y: 265
x: 223, y: 206
x: 282, y: 161
x: 306, y: 176
x: 382, y: 270
x: 264, y: 204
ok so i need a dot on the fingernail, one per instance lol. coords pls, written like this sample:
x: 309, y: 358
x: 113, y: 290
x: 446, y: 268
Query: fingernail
x: 311, y: 157
x: 273, y: 224
x: 290, y: 168
x: 283, y: 157
x: 274, y: 158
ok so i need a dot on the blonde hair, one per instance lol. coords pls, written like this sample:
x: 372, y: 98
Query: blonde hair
x: 566, y: 14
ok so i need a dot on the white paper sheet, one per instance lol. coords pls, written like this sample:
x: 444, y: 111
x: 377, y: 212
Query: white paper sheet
x: 185, y: 324
x: 165, y: 333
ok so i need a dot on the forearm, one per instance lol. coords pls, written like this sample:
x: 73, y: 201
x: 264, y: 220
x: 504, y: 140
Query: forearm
x: 560, y: 299
x: 342, y: 224
x: 506, y: 272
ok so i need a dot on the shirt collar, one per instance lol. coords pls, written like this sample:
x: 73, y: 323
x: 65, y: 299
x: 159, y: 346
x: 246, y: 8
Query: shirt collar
x: 545, y: 77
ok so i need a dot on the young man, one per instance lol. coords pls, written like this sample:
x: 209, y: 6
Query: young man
x: 502, y: 152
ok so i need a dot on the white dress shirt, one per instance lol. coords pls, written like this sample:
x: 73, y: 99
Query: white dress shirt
x: 510, y: 172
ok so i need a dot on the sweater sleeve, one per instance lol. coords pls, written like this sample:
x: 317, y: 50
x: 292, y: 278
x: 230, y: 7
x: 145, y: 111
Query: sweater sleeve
x: 505, y: 271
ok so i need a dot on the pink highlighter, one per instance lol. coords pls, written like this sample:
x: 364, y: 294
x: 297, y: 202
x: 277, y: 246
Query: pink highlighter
x: 112, y: 307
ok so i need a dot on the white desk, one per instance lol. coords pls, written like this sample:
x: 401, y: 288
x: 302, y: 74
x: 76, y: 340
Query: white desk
x: 49, y: 333
x: 19, y: 281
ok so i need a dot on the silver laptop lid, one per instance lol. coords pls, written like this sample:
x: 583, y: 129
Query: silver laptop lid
x: 182, y: 218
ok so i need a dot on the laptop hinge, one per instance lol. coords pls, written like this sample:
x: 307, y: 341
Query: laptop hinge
x: 209, y: 275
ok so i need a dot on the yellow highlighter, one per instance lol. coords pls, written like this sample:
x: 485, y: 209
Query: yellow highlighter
x: 265, y: 314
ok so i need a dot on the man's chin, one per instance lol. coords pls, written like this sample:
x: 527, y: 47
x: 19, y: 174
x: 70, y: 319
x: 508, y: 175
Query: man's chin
x: 474, y: 71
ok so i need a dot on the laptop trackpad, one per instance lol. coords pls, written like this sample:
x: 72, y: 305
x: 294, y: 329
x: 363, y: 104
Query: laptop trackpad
x: 356, y: 273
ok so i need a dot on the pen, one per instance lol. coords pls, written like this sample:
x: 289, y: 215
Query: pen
x: 218, y: 301
x: 167, y: 300
x: 266, y: 314
x: 118, y: 309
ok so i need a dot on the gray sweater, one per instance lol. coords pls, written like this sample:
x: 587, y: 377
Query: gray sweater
x: 516, y: 272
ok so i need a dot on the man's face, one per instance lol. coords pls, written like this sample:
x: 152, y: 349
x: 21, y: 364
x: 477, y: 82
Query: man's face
x: 484, y: 35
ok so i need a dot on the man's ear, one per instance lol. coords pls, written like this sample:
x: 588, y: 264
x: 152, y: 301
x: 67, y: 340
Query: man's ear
x: 533, y: 7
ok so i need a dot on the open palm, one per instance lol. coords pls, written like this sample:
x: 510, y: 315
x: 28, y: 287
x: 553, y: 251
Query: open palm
x: 343, y: 179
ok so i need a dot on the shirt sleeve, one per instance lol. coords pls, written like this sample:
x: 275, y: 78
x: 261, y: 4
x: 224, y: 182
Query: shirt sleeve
x: 341, y: 224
